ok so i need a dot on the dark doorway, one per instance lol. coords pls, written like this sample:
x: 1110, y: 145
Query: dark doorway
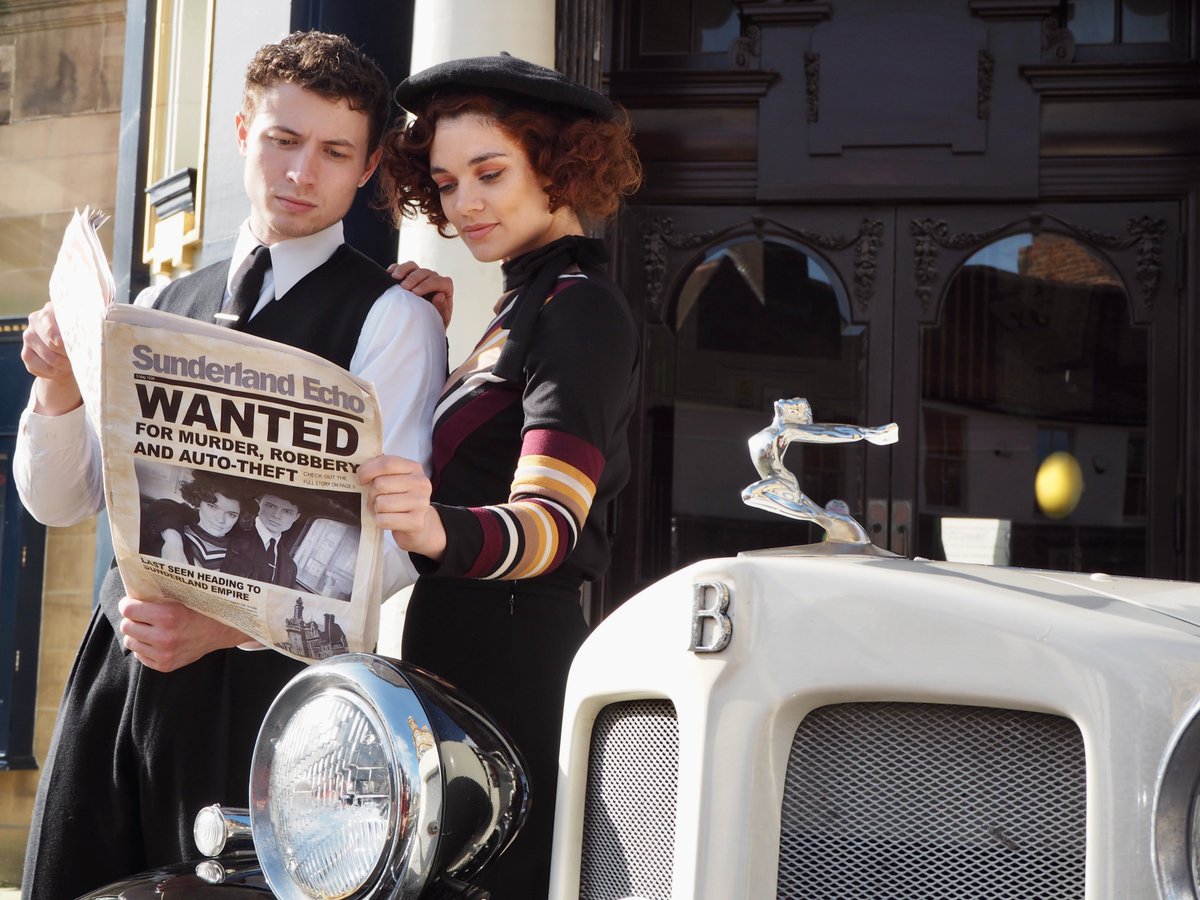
x: 22, y: 554
x: 995, y: 337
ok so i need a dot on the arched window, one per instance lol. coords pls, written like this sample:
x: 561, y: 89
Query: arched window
x: 753, y: 320
x: 1036, y: 353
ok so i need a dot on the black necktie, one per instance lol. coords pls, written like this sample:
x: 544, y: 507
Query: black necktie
x: 245, y: 289
x: 271, y: 558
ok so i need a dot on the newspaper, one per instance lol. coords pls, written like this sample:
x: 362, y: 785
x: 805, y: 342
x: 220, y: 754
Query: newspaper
x: 81, y: 287
x: 230, y: 470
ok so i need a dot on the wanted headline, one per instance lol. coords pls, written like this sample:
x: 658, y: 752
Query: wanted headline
x: 201, y: 424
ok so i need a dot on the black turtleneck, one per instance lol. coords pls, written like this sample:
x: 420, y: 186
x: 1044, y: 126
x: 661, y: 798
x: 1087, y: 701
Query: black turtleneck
x: 533, y: 274
x: 550, y: 409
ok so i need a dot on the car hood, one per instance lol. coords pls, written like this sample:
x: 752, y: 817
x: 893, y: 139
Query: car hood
x: 1177, y: 601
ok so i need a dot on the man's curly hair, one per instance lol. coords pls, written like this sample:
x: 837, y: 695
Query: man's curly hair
x: 590, y: 163
x: 328, y: 65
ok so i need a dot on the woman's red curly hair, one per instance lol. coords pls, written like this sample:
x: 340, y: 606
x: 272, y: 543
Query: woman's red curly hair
x: 590, y: 163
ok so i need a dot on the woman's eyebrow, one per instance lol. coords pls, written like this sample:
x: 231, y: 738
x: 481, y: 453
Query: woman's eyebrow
x: 473, y: 161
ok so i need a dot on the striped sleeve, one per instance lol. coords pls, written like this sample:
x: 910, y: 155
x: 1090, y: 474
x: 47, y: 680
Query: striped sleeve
x: 550, y: 498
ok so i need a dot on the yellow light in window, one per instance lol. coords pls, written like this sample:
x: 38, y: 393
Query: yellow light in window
x: 1059, y: 485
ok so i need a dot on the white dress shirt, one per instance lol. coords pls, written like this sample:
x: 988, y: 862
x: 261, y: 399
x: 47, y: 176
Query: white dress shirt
x: 401, y: 348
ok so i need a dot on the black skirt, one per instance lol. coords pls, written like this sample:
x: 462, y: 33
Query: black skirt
x: 509, y: 646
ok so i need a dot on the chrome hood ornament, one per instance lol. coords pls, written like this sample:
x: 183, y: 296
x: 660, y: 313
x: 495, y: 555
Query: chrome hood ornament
x: 778, y: 491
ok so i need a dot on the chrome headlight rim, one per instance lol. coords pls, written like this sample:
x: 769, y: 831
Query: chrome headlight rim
x: 1176, y: 813
x: 382, y: 695
x: 218, y: 830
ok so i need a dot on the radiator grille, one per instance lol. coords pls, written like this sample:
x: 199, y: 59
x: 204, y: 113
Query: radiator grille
x: 629, y: 816
x: 933, y: 801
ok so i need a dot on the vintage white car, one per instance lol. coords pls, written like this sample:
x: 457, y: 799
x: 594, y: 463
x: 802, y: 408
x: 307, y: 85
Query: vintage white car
x: 825, y: 721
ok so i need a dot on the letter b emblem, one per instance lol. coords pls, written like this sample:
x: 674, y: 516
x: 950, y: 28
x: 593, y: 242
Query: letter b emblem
x: 711, y: 627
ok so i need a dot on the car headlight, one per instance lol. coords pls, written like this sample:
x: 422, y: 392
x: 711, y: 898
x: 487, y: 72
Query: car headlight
x: 370, y: 777
x: 1177, y: 814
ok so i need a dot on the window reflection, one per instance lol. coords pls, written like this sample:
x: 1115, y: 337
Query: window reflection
x: 755, y: 321
x: 764, y: 297
x: 700, y: 26
x: 1145, y: 21
x: 1036, y: 353
x: 945, y: 458
x: 1120, y: 21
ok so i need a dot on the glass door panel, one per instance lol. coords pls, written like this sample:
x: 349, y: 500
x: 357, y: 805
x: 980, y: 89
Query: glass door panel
x: 742, y: 308
x: 755, y: 321
x: 1034, y: 403
x: 1039, y: 425
x: 1004, y: 342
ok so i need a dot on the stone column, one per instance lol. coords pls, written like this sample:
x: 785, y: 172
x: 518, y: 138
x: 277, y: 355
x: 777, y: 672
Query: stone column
x: 443, y: 31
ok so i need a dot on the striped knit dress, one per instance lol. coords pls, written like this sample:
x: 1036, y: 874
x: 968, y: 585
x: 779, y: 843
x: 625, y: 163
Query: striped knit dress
x: 522, y: 473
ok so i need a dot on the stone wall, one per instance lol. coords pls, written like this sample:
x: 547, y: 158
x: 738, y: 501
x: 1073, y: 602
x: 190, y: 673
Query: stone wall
x: 60, y: 84
x: 60, y: 100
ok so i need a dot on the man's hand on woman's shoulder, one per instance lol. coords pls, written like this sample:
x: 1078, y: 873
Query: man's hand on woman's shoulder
x: 437, y: 289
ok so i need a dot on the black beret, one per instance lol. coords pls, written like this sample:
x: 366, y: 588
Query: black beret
x: 502, y: 73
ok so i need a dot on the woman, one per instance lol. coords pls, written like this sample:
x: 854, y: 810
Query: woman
x: 530, y: 432
x: 196, y: 532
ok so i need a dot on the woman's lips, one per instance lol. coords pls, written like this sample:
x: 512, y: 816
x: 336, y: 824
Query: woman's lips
x: 478, y: 232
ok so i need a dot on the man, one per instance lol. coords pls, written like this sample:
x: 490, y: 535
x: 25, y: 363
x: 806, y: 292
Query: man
x: 256, y: 553
x: 161, y: 711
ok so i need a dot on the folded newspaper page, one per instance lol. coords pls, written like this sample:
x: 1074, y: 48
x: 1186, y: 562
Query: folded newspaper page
x: 81, y: 287
x: 229, y: 474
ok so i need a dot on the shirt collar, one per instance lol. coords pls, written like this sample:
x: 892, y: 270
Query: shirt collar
x: 264, y: 535
x: 291, y: 260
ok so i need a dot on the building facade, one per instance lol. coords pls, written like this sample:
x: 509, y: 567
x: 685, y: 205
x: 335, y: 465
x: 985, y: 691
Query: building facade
x: 975, y: 219
x: 60, y: 107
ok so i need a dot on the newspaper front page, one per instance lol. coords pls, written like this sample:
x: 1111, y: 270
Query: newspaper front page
x: 215, y: 445
x: 230, y: 474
